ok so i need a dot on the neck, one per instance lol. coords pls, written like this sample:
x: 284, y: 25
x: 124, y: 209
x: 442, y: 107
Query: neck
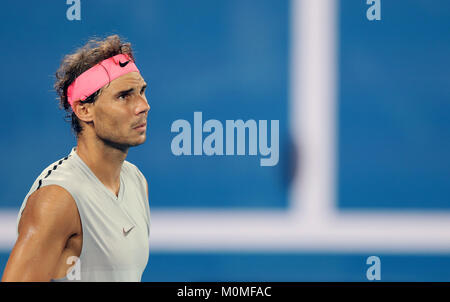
x: 104, y: 160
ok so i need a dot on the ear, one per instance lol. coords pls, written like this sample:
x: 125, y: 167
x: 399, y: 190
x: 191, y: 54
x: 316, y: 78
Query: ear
x: 84, y: 111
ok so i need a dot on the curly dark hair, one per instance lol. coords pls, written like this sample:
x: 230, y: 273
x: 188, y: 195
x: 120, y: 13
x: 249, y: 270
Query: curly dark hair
x: 73, y: 65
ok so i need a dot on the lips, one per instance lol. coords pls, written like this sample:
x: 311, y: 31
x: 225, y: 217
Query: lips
x: 141, y: 125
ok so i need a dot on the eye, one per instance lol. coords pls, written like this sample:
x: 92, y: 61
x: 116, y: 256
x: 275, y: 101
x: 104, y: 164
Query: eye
x: 123, y: 97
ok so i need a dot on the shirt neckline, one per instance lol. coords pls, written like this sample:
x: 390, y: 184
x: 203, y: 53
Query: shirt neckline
x: 119, y: 196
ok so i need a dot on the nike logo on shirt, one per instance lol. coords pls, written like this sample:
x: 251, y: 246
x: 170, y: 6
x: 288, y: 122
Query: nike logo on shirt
x: 125, y: 233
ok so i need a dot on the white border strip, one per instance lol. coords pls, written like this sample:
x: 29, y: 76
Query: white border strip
x: 312, y: 222
x: 7, y: 228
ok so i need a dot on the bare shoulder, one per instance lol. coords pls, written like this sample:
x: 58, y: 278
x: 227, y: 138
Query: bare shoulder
x: 48, y: 220
x: 51, y: 208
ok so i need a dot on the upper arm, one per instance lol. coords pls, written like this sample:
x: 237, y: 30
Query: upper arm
x: 48, y: 220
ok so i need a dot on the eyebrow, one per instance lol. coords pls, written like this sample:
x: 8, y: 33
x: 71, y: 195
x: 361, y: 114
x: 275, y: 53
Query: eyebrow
x: 128, y: 91
x: 125, y: 92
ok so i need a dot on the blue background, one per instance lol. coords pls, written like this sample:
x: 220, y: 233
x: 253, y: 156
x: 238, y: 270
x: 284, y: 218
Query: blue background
x: 230, y: 60
x: 394, y: 106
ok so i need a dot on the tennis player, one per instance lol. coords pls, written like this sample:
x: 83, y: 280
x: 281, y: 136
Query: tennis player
x: 87, y: 217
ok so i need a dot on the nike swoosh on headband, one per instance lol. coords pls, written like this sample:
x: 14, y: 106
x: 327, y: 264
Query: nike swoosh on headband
x: 123, y: 64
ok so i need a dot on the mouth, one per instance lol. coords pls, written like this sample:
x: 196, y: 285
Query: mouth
x: 141, y: 127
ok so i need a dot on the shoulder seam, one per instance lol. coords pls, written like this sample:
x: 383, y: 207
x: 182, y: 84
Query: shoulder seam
x: 50, y: 171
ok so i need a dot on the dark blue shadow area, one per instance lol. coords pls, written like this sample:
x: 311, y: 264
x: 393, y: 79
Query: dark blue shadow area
x: 3, y: 260
x: 320, y: 267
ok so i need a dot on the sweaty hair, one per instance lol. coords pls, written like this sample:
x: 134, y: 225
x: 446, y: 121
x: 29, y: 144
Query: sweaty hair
x: 75, y: 64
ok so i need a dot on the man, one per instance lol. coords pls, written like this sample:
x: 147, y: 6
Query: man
x: 87, y: 217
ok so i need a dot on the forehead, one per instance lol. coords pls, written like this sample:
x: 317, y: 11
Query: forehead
x: 126, y: 81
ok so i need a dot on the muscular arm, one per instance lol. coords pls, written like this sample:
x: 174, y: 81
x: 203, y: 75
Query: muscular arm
x: 48, y: 220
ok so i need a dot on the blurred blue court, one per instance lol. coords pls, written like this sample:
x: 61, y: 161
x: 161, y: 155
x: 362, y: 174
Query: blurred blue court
x: 231, y: 59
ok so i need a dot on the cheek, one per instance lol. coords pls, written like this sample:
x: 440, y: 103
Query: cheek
x: 104, y: 121
x: 112, y: 123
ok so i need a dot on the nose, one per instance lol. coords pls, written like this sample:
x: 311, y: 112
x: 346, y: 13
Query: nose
x: 143, y: 106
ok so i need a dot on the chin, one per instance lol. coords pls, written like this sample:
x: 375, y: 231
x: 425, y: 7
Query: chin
x: 125, y: 144
x: 138, y: 142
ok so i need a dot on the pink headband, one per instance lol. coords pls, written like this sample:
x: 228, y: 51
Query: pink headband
x: 98, y: 76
